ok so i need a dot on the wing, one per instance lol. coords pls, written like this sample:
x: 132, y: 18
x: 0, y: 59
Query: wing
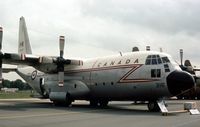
x: 47, y: 64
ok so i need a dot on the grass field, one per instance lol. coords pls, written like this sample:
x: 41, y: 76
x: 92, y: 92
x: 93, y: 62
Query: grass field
x: 19, y: 94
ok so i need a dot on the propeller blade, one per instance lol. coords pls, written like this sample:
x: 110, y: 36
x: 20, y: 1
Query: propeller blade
x: 196, y: 69
x: 60, y: 78
x: 181, y: 56
x: 1, y: 36
x: 62, y: 44
x: 1, y: 78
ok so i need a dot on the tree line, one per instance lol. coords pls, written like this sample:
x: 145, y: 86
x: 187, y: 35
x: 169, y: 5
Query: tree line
x: 15, y: 84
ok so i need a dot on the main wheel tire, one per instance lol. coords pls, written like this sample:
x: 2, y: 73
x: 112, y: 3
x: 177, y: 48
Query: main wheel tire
x: 179, y: 97
x: 103, y: 103
x: 93, y: 103
x: 153, y: 106
x: 68, y: 103
x: 62, y: 104
x: 58, y: 103
x: 68, y: 100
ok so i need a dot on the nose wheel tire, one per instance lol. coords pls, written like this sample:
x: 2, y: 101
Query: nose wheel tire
x: 153, y: 106
x: 103, y: 103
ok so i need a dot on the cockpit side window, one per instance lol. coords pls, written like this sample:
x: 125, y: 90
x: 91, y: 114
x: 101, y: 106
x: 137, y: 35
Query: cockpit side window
x: 165, y: 60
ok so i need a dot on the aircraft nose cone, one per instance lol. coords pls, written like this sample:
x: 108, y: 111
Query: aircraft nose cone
x: 179, y: 81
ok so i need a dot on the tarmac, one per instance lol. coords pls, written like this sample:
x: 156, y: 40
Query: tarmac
x: 42, y: 113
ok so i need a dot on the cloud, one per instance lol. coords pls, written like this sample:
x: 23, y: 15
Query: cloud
x: 170, y: 16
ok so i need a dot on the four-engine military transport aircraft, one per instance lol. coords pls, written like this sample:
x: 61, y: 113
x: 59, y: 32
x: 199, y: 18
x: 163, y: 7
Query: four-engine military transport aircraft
x: 135, y: 76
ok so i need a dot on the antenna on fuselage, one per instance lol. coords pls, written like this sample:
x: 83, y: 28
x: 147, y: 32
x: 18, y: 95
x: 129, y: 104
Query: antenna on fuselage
x: 135, y: 49
x: 161, y: 50
x: 148, y: 48
x: 120, y: 53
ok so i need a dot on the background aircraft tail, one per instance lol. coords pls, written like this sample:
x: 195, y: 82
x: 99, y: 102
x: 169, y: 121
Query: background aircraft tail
x: 24, y: 46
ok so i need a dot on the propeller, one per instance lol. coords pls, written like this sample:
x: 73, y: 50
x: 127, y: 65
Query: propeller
x: 1, y: 36
x: 61, y: 61
x: 187, y: 64
x: 189, y: 68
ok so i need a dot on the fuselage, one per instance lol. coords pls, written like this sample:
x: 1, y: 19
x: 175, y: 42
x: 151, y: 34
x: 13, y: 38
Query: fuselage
x: 131, y: 76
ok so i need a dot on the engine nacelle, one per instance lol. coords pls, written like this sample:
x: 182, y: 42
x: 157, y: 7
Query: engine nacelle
x: 58, y: 96
x: 71, y: 90
x: 44, y: 59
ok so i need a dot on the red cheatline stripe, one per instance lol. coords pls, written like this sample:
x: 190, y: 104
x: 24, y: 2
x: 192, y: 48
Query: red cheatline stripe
x: 103, y: 68
x: 129, y: 72
x: 137, y: 80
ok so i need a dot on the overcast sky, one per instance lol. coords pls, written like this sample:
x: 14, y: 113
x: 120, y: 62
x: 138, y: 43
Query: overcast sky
x: 104, y: 27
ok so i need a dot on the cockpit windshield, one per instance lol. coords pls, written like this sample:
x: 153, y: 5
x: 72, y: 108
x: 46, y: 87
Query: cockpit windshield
x: 156, y: 59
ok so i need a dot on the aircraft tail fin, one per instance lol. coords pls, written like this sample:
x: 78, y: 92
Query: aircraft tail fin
x: 24, y: 46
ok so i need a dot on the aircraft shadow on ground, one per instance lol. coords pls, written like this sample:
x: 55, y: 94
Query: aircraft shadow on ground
x: 114, y: 109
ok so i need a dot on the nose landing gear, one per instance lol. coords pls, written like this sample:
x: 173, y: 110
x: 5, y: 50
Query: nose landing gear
x: 153, y: 106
